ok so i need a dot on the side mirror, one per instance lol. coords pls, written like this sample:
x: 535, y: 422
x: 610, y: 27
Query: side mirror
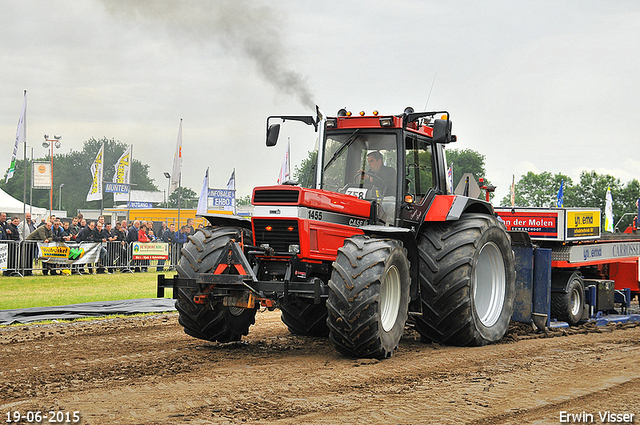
x: 272, y: 134
x: 442, y: 131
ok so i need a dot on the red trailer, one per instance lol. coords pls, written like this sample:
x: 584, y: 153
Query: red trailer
x: 583, y: 261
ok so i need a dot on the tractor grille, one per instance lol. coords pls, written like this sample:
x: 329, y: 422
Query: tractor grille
x: 282, y: 234
x: 276, y: 196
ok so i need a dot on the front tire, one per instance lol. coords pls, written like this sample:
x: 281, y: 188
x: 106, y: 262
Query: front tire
x: 467, y: 281
x: 369, y: 297
x: 211, y: 321
x: 304, y: 317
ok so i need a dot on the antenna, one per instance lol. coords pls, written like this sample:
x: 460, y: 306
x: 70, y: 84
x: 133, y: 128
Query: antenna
x: 428, y: 97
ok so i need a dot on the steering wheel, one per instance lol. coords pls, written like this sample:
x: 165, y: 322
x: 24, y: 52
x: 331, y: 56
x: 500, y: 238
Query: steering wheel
x: 375, y: 182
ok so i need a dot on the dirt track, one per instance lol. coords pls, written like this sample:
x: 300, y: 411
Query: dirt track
x: 147, y: 371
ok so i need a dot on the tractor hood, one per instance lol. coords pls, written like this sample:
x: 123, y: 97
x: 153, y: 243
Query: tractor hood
x: 312, y: 199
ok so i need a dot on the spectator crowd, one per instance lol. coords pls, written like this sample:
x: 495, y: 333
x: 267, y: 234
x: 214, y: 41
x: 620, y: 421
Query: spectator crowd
x: 116, y: 240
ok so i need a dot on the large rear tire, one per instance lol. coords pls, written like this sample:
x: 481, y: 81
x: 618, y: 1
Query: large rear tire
x: 305, y: 318
x: 369, y: 297
x: 211, y: 321
x: 467, y: 281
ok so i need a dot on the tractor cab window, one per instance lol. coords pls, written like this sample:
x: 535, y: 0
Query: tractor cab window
x: 419, y: 168
x: 363, y: 165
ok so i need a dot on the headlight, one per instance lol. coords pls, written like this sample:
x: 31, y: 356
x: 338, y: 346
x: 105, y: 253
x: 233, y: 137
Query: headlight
x: 294, y: 249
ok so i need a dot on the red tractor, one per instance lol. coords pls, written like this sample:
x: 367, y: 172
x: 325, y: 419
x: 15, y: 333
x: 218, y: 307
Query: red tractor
x: 377, y: 241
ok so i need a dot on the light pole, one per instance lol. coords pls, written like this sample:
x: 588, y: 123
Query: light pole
x: 60, y: 197
x: 46, y: 144
x: 168, y: 176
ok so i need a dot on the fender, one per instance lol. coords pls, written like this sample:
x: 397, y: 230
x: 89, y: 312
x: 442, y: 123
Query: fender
x: 451, y: 207
x: 227, y: 220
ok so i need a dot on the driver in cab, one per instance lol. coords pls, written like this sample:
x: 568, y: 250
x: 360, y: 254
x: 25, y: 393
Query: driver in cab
x: 379, y: 175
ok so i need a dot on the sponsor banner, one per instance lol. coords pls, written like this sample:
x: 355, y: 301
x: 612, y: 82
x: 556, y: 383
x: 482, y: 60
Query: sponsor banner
x: 41, y: 175
x: 136, y: 204
x: 72, y: 253
x: 116, y: 188
x: 4, y: 256
x: 537, y: 224
x: 583, y: 223
x: 222, y: 193
x: 604, y: 251
x: 150, y: 251
x: 222, y: 199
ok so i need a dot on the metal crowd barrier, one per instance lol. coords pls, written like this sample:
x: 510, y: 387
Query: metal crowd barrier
x: 22, y: 260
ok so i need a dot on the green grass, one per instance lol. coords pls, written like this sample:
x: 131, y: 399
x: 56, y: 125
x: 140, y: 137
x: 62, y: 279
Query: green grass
x: 47, y: 291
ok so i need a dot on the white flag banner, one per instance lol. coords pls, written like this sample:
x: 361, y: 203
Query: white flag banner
x: 204, y: 195
x: 21, y: 137
x: 231, y: 185
x: 608, y: 212
x: 177, y: 163
x: 284, y: 170
x: 123, y: 167
x: 95, y: 192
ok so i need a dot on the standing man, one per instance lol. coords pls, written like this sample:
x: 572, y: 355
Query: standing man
x: 132, y: 236
x: 13, y: 234
x: 42, y: 234
x: 190, y: 229
x: 88, y: 234
x: 121, y: 247
x: 169, y: 237
x: 27, y: 227
x: 103, y: 236
x: 3, y: 227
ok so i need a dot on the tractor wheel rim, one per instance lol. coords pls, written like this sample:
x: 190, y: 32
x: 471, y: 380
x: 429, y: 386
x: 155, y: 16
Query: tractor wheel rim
x: 576, y: 304
x: 489, y: 284
x: 390, y: 294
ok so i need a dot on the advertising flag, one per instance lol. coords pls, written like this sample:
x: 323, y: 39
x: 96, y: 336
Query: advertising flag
x: 608, y: 212
x: 123, y: 167
x: 231, y: 185
x: 513, y: 190
x: 286, y: 165
x: 560, y: 202
x: 204, y: 195
x: 21, y: 136
x: 95, y: 192
x: 177, y: 163
x: 450, y: 178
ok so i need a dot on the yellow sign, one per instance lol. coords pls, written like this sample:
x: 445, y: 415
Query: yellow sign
x: 55, y: 251
x: 583, y: 223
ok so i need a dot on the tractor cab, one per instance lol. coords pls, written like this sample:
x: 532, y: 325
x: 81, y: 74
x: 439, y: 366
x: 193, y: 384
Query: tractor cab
x: 363, y: 164
x: 395, y: 162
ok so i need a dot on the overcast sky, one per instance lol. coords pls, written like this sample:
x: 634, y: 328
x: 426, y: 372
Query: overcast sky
x: 535, y: 86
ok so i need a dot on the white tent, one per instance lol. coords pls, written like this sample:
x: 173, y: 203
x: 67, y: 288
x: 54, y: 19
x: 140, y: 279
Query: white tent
x: 11, y: 205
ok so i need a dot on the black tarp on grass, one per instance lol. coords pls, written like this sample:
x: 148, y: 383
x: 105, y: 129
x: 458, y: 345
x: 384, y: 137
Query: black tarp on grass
x: 93, y: 309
